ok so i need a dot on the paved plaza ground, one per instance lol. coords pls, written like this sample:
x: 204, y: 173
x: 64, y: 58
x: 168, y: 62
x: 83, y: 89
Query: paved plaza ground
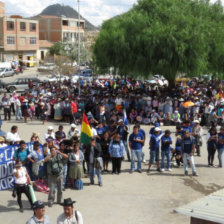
x: 125, y: 198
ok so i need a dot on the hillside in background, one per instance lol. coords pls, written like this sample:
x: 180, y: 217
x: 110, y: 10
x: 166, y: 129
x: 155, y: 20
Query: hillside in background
x: 67, y: 11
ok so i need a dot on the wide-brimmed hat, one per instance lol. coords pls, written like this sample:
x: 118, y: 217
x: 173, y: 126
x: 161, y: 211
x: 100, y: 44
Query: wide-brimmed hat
x: 68, y: 202
x: 38, y: 204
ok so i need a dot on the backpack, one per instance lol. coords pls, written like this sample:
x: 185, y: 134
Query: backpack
x: 78, y: 185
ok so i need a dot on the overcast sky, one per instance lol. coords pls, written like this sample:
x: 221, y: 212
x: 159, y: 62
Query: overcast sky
x: 96, y: 11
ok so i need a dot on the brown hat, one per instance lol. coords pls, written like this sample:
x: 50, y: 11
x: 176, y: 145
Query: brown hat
x: 2, y: 139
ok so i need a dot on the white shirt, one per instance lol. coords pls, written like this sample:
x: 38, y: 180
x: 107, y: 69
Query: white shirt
x: 94, y: 132
x: 119, y: 101
x: 17, y: 103
x: 3, y: 145
x: 21, y: 179
x: 46, y: 136
x: 71, y: 133
x: 62, y: 219
x: 12, y: 137
x: 77, y: 156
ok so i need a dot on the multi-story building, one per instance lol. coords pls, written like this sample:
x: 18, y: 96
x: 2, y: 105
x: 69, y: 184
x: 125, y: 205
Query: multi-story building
x: 55, y: 29
x: 19, y: 38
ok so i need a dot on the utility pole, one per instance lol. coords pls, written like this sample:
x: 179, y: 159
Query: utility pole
x: 79, y: 43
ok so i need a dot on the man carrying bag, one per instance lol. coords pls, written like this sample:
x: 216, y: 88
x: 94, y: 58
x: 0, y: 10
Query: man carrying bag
x: 55, y: 174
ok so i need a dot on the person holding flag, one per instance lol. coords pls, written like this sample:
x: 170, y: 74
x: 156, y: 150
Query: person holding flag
x: 93, y: 153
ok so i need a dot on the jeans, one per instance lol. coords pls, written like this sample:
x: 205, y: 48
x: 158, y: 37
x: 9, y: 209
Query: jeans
x: 153, y: 156
x: 65, y: 171
x: 18, y: 113
x: 138, y: 154
x: 167, y: 155
x: 92, y: 172
x: 143, y: 156
x: 220, y: 152
x: 126, y: 149
x: 189, y: 158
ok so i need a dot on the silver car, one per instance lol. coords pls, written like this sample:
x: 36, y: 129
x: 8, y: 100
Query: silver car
x: 21, y: 84
x: 6, y: 72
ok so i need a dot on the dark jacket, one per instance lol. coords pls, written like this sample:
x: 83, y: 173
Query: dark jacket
x: 97, y: 151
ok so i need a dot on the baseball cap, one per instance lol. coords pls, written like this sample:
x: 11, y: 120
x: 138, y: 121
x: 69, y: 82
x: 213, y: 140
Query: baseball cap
x: 157, y: 129
x: 157, y: 124
x: 120, y: 120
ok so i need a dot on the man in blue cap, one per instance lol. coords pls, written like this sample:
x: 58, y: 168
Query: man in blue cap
x: 152, y: 130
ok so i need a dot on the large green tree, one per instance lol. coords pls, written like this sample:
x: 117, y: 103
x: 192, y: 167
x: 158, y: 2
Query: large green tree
x: 166, y: 37
x: 70, y: 51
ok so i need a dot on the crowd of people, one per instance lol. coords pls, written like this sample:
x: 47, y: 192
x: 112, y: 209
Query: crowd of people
x: 144, y: 103
x: 62, y: 158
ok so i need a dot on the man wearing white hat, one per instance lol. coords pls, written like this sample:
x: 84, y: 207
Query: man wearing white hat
x: 50, y: 133
x: 73, y: 132
x: 154, y: 148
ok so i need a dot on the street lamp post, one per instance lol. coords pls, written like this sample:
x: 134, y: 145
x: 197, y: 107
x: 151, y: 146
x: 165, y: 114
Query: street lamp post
x: 79, y: 42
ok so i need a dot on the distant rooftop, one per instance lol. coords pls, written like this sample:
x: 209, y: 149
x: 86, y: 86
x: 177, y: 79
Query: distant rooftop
x: 45, y: 44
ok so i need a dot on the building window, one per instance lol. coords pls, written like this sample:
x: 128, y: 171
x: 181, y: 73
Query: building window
x: 22, y: 26
x: 23, y: 40
x: 33, y: 40
x: 10, y: 25
x: 32, y: 26
x: 64, y: 22
x: 73, y: 24
x: 10, y: 40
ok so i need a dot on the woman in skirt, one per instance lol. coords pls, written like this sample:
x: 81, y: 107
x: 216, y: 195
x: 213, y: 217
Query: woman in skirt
x: 75, y: 160
x: 25, y: 109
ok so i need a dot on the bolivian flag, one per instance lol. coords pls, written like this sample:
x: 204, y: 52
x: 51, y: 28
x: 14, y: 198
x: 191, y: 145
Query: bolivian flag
x: 86, y: 132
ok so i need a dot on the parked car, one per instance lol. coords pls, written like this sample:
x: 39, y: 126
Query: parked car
x: 4, y: 72
x: 2, y: 86
x: 56, y: 78
x: 48, y: 67
x: 21, y: 84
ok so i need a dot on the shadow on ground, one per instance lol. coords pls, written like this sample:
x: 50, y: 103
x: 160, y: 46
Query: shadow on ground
x: 197, y: 186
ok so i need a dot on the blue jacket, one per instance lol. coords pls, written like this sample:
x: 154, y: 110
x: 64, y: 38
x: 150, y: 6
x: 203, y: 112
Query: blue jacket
x: 116, y: 149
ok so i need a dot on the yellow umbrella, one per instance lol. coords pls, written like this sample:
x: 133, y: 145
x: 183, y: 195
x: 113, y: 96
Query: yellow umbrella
x: 188, y: 104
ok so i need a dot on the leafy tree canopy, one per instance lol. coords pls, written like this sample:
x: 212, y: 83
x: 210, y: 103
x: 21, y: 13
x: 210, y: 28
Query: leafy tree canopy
x: 167, y: 37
